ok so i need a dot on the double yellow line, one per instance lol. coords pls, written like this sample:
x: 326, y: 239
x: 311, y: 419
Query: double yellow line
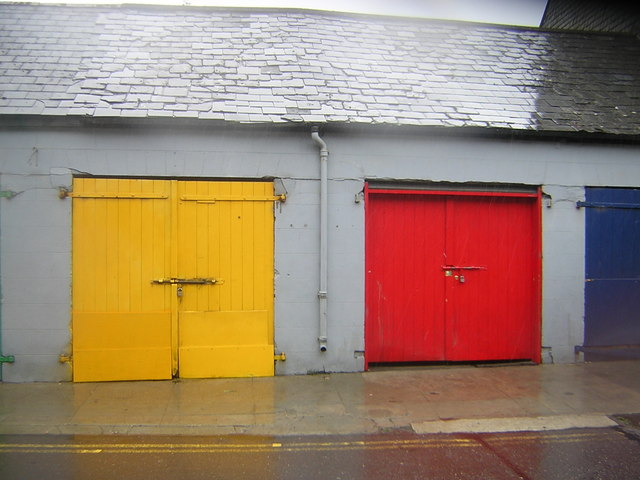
x: 273, y: 447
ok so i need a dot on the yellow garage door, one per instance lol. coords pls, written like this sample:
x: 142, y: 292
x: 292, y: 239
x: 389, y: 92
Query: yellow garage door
x: 172, y: 278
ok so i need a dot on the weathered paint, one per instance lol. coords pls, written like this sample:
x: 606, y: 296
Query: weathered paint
x: 612, y: 288
x: 130, y: 237
x: 36, y: 224
x: 452, y: 276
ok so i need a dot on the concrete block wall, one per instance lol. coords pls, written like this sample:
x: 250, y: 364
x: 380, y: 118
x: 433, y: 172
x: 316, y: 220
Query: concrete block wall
x: 297, y: 243
x: 563, y: 273
x: 35, y: 226
x: 35, y: 259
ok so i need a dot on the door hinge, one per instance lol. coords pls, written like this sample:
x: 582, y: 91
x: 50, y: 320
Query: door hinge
x: 65, y: 358
x: 233, y: 198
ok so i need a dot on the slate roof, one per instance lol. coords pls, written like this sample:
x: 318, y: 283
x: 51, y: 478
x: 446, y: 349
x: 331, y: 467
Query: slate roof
x: 276, y: 66
x: 592, y: 15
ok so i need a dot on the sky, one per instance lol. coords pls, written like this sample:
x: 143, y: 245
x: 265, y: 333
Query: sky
x: 508, y: 12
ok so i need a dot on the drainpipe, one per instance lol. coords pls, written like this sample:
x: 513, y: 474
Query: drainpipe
x: 322, y: 293
x: 4, y: 358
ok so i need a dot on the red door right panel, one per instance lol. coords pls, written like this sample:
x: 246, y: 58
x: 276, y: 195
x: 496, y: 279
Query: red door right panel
x: 491, y: 303
x: 451, y: 277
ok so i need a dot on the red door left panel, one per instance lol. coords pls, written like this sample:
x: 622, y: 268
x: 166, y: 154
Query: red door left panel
x: 405, y: 245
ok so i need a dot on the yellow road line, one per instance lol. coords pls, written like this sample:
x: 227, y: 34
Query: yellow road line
x: 233, y: 448
x: 456, y: 442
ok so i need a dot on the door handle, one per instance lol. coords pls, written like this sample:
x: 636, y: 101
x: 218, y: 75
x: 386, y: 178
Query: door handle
x: 188, y: 281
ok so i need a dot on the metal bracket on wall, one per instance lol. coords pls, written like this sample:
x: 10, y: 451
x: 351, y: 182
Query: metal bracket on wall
x: 65, y: 358
x: 63, y: 192
x: 7, y: 359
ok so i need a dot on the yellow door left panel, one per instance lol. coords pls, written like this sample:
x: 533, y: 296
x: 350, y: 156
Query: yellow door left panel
x: 121, y: 321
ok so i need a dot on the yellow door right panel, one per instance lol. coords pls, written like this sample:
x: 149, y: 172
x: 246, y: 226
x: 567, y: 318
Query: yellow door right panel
x: 226, y: 233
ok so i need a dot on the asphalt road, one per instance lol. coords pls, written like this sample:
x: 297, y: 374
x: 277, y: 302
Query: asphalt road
x: 607, y: 453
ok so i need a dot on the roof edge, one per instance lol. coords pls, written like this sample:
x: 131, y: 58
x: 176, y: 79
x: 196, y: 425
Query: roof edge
x: 27, y: 121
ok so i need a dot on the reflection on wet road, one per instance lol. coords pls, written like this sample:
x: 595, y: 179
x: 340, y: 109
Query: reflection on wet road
x: 569, y: 454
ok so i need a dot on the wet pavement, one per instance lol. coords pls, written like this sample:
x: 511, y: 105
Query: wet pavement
x: 605, y: 453
x: 419, y: 400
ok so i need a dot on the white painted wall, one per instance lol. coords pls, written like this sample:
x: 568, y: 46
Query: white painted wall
x: 35, y: 226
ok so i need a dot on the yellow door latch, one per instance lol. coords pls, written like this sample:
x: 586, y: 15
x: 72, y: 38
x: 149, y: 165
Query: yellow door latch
x: 188, y: 281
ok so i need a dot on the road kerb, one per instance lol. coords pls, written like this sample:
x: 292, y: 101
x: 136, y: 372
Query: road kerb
x: 513, y: 424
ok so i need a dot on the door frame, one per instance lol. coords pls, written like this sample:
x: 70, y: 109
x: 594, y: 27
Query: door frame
x: 461, y: 190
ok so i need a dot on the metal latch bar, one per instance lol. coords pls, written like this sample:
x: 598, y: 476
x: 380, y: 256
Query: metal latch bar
x: 630, y: 206
x: 188, y: 281
x: 457, y: 267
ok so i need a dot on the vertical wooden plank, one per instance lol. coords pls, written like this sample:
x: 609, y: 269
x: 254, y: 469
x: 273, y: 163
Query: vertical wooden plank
x: 186, y: 246
x: 204, y: 244
x: 267, y: 253
x: 138, y: 246
x: 249, y: 242
x: 224, y: 246
x: 82, y: 291
x: 122, y: 229
x: 536, y: 345
x: 213, y: 254
x: 171, y: 255
x: 111, y: 247
x: 369, y: 289
x: 236, y: 248
x: 153, y: 215
x: 99, y: 244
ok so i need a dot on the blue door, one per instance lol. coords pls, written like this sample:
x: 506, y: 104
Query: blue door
x: 612, y: 290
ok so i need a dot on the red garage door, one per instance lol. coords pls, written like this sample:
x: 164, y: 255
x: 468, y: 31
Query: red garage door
x: 452, y: 276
